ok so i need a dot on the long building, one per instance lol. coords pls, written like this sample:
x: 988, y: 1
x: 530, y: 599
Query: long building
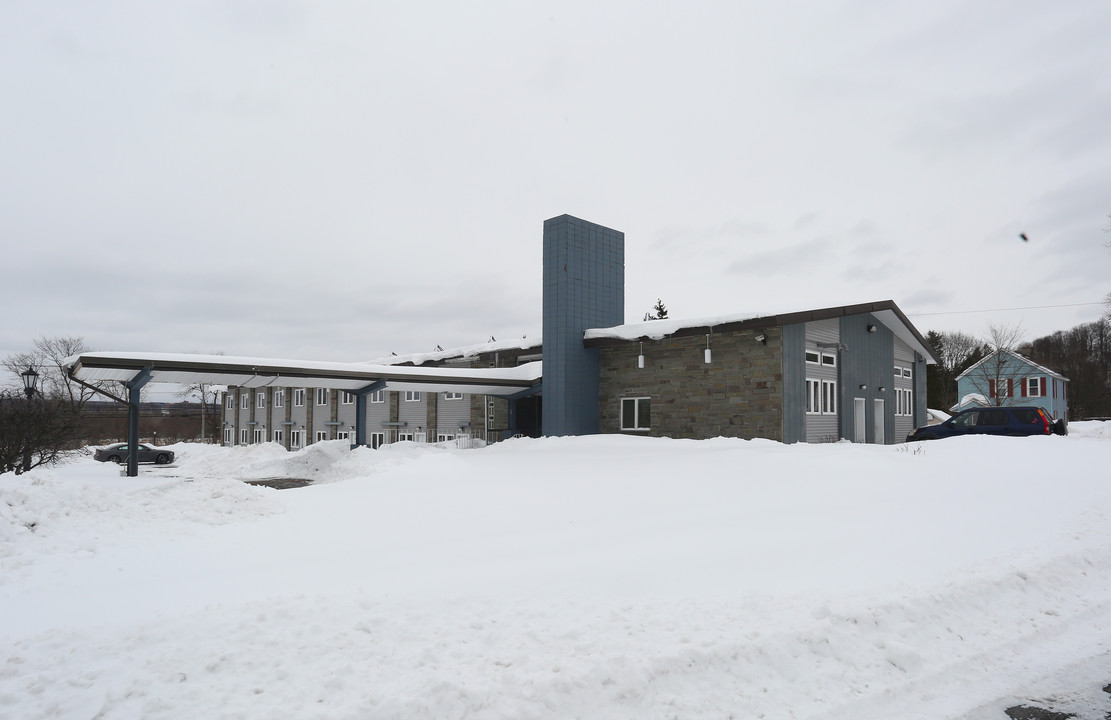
x: 853, y: 372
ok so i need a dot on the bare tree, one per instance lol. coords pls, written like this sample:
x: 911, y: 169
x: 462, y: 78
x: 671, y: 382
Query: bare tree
x: 995, y: 376
x: 955, y: 352
x: 48, y: 359
x: 35, y: 431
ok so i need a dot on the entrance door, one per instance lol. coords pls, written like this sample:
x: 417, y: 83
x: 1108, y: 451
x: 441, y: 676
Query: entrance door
x: 877, y: 421
x: 860, y: 425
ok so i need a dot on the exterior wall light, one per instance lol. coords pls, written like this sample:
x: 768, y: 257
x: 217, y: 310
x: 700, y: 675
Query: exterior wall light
x: 640, y: 358
x: 882, y: 388
x: 871, y: 328
x: 707, y: 349
x: 761, y: 338
x: 863, y: 387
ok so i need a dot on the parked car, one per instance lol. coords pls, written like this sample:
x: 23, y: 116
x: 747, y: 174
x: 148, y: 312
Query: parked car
x: 146, y: 453
x: 1012, y: 421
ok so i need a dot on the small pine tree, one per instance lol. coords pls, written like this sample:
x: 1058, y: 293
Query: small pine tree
x: 660, y: 309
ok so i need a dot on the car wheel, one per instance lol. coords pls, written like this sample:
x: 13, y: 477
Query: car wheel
x: 114, y: 458
x: 162, y: 459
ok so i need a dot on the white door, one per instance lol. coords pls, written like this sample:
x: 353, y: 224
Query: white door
x: 859, y: 423
x: 878, y: 422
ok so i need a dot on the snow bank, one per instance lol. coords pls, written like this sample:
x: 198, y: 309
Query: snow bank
x: 593, y: 577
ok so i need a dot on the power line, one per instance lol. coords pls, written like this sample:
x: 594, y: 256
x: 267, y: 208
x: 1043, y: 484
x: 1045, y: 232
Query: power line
x: 1030, y: 307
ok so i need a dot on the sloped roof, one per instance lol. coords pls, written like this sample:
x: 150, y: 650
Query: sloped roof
x: 1020, y: 358
x: 885, y: 311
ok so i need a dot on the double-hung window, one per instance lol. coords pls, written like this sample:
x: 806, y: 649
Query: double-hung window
x: 244, y: 436
x: 322, y: 396
x: 636, y: 413
x: 245, y: 400
x: 279, y: 398
x: 347, y: 399
x: 260, y: 399
x: 1034, y: 387
x: 298, y: 397
x: 231, y: 401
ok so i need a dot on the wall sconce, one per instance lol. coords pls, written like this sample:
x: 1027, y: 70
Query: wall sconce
x: 640, y: 357
x: 882, y: 388
x: 871, y: 328
x: 863, y: 387
x: 707, y: 348
x: 761, y: 338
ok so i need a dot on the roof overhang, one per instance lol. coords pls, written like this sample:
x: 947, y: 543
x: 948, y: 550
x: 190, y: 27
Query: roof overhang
x: 250, y: 372
x: 885, y: 311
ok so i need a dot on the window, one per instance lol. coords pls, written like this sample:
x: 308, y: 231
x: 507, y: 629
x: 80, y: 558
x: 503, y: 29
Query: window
x: 296, y: 438
x: 636, y: 413
x: 444, y: 437
x: 906, y: 372
x: 829, y: 397
x: 245, y: 401
x: 343, y: 434
x: 260, y: 435
x: 453, y: 396
x: 813, y: 357
x: 1034, y: 386
x: 243, y: 436
x: 279, y: 398
x: 260, y: 400
x: 821, y: 397
x: 999, y: 388
x: 229, y: 436
x: 378, y: 396
x: 377, y: 439
x: 322, y: 396
x: 278, y: 436
x: 231, y: 402
x: 904, y: 401
x: 347, y: 398
x: 404, y: 436
x: 813, y: 397
x: 412, y: 396
x: 898, y: 371
x: 298, y: 398
x: 829, y: 359
x: 321, y: 436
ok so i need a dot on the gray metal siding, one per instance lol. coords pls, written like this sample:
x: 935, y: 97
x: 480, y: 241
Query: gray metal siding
x: 584, y: 287
x: 413, y: 413
x: 452, y: 413
x: 794, y: 383
x: 904, y: 357
x: 822, y: 428
x: 868, y: 359
x: 919, y: 390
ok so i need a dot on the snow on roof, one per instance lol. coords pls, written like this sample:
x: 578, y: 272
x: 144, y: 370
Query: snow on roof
x: 466, y: 351
x: 969, y: 400
x: 659, y: 329
x: 938, y: 415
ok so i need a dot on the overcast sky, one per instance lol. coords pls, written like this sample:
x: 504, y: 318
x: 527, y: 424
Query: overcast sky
x: 342, y: 180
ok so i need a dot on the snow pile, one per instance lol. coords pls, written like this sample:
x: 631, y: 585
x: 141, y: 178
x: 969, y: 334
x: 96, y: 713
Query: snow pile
x: 565, y: 577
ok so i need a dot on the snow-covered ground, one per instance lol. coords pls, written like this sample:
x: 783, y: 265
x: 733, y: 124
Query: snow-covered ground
x: 595, y: 577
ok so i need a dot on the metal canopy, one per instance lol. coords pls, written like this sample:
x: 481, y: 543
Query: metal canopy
x: 267, y: 372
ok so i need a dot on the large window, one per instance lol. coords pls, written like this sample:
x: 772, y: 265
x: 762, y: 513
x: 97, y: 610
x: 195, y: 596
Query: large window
x: 636, y: 413
x: 377, y: 439
x: 821, y: 397
x: 278, y: 436
x: 347, y: 398
x: 231, y: 401
x: 322, y: 396
x: 279, y: 398
x: 904, y: 401
x: 321, y: 436
x: 245, y: 400
x: 298, y: 397
x: 260, y: 399
x: 244, y: 436
x: 229, y: 436
x: 296, y: 437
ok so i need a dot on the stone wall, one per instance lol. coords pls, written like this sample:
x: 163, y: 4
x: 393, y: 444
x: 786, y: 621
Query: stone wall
x: 739, y: 394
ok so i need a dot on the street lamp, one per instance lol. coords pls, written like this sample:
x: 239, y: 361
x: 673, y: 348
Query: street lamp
x: 30, y: 379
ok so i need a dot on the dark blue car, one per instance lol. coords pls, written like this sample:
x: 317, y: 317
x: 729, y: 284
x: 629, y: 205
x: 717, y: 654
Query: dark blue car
x: 1012, y: 421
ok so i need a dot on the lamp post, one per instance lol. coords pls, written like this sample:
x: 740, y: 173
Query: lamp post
x: 30, y: 379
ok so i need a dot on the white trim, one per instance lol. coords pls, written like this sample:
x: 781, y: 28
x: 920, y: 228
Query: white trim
x: 279, y: 398
x: 260, y: 399
x: 378, y: 396
x: 412, y: 396
x: 322, y: 397
x: 298, y: 397
x: 347, y: 398
x: 320, y: 436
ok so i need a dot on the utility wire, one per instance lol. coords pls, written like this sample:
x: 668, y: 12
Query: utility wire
x: 1030, y: 307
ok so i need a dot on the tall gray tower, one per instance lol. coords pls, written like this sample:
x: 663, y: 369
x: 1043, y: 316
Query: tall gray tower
x: 584, y: 287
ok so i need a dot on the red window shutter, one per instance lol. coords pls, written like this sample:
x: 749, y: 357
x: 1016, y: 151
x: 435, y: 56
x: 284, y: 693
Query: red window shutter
x: 1010, y: 387
x: 991, y: 388
x: 1043, y: 387
x: 1023, y: 387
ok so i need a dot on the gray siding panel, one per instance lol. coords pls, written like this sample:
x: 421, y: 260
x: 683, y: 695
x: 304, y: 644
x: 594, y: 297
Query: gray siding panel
x: 868, y: 360
x: 904, y: 357
x: 822, y: 428
x: 452, y: 413
x: 794, y: 383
